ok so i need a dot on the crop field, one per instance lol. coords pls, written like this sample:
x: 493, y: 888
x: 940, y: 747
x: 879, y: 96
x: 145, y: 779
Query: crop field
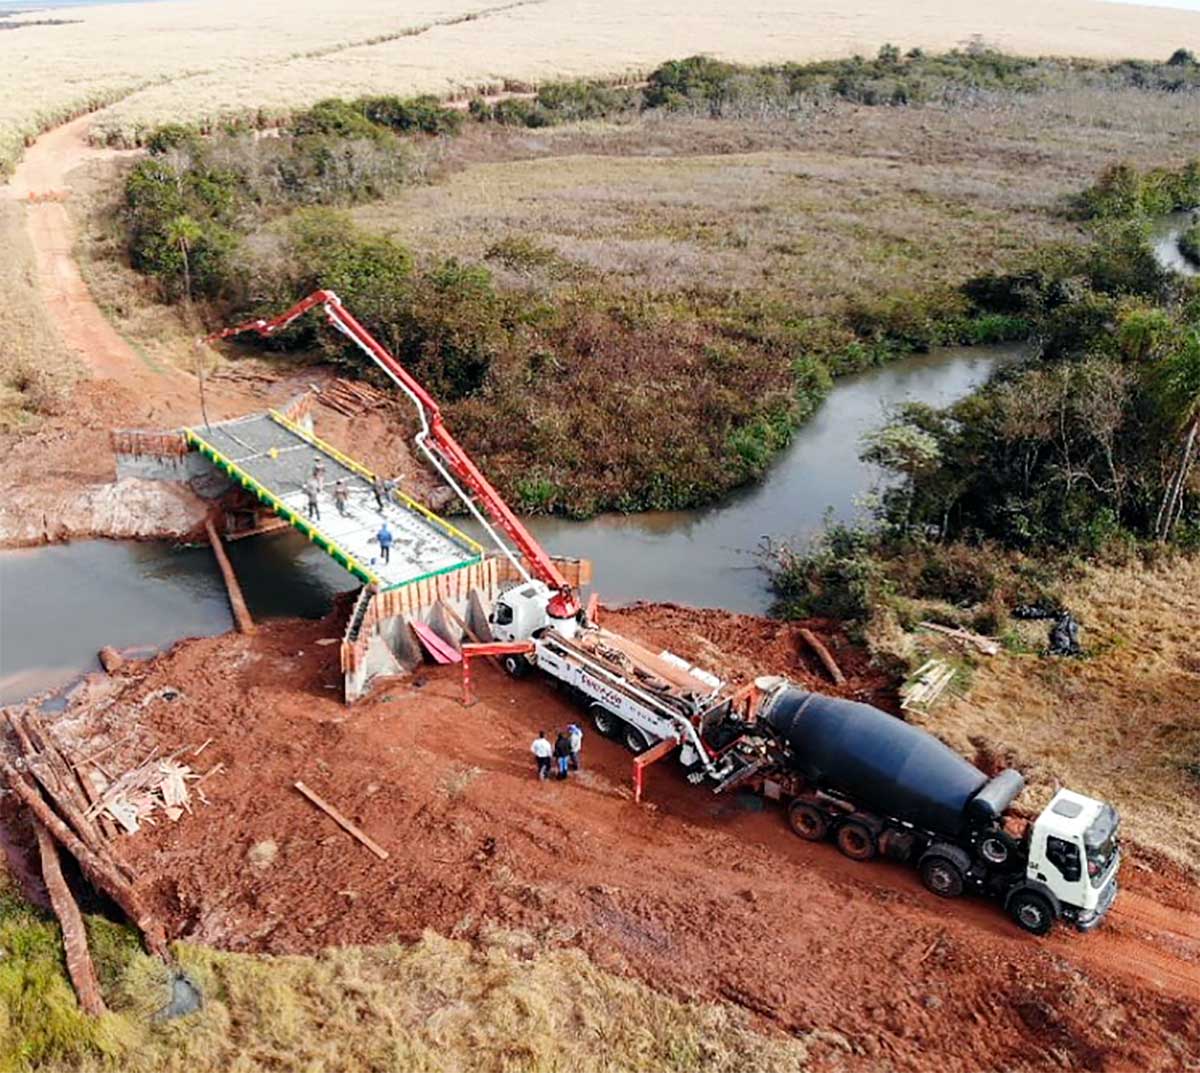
x: 203, y: 61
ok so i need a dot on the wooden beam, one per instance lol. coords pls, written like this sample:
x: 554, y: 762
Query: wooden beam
x: 97, y: 870
x: 342, y: 822
x: 79, y: 959
x: 835, y: 672
x: 237, y: 602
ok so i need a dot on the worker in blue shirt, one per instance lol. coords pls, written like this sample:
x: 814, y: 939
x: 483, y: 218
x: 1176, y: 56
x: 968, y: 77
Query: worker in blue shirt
x: 384, y: 536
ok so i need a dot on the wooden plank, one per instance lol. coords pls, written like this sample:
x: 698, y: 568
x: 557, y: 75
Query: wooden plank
x: 434, y: 645
x: 342, y: 822
x: 79, y: 959
x: 983, y: 644
x: 241, y: 614
x: 835, y: 672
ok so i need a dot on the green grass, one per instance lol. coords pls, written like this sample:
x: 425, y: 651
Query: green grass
x: 508, y: 1005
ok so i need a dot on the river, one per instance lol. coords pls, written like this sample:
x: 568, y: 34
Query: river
x: 60, y: 604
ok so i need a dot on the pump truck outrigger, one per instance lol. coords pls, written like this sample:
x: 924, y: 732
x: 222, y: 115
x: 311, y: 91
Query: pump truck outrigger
x: 873, y: 783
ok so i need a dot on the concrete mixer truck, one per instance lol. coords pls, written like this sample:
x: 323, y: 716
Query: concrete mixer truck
x: 879, y: 786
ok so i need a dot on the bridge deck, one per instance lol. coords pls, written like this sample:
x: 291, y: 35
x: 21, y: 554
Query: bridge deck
x: 273, y: 458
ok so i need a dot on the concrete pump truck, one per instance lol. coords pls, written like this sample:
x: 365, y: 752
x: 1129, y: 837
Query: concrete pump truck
x: 870, y: 782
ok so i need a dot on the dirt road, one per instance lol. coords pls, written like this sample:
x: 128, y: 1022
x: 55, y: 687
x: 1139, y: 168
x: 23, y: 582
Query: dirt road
x: 706, y: 897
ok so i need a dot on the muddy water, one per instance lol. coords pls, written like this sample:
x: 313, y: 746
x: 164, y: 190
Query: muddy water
x: 60, y: 604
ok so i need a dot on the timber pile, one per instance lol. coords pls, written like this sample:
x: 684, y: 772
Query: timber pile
x: 926, y: 685
x: 353, y: 399
x: 65, y: 806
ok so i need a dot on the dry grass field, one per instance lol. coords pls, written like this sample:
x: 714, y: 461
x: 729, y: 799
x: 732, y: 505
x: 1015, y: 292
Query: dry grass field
x: 204, y: 60
x: 847, y: 204
x: 1124, y: 722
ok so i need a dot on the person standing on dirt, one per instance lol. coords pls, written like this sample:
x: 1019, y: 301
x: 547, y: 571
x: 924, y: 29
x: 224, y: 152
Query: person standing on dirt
x: 575, y: 737
x: 312, y: 490
x: 562, y: 753
x: 380, y: 487
x: 341, y: 495
x: 385, y: 538
x: 542, y: 751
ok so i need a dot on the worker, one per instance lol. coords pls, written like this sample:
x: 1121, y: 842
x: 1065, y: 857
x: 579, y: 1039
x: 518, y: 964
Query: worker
x: 562, y: 753
x: 319, y: 473
x: 542, y: 751
x: 575, y: 737
x: 380, y: 487
x: 312, y: 489
x: 385, y: 538
x: 341, y: 495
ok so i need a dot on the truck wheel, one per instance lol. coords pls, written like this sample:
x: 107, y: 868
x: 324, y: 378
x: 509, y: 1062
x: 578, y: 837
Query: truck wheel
x: 855, y: 841
x: 808, y: 822
x: 635, y: 740
x: 516, y: 666
x: 942, y: 876
x: 1032, y: 912
x: 604, y: 721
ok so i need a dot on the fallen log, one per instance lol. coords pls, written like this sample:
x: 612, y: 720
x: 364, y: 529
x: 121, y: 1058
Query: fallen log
x: 835, y: 672
x: 79, y: 959
x: 342, y: 822
x: 99, y: 873
x: 237, y: 602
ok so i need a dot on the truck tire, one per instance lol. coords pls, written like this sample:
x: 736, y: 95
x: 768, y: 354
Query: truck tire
x: 1031, y: 911
x: 516, y: 666
x: 856, y: 841
x: 606, y: 724
x: 635, y: 740
x: 807, y: 821
x: 942, y: 875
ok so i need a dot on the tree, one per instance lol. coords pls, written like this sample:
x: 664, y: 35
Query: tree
x: 1179, y: 388
x: 183, y: 233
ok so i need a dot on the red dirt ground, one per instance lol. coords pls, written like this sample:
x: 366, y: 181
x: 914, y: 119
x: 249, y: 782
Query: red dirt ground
x: 706, y: 897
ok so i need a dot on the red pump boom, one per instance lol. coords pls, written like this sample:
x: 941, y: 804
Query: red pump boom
x: 565, y: 603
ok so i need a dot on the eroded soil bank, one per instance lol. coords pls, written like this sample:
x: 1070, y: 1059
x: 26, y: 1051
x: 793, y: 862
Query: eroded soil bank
x: 704, y: 896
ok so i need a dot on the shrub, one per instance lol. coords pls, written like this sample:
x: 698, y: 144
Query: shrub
x: 836, y: 576
x: 424, y: 114
x: 1189, y: 243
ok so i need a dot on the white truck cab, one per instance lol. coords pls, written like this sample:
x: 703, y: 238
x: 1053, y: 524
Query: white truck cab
x: 521, y: 611
x: 1072, y: 865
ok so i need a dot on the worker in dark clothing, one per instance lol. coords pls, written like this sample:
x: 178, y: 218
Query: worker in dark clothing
x: 562, y: 753
x: 385, y: 538
x: 312, y: 489
x: 380, y: 487
x: 341, y: 495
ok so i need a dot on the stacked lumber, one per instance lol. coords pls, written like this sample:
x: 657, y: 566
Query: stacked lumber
x: 353, y: 399
x: 926, y: 685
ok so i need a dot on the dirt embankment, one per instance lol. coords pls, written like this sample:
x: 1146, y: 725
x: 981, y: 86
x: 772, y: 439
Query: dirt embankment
x: 703, y: 896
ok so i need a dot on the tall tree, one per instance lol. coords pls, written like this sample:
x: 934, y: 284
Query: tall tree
x: 1179, y: 384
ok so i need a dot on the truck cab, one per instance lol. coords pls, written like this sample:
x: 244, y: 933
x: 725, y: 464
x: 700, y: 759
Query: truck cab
x: 1072, y: 863
x: 520, y: 611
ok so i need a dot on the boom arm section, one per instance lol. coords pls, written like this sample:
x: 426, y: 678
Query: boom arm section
x: 433, y: 432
